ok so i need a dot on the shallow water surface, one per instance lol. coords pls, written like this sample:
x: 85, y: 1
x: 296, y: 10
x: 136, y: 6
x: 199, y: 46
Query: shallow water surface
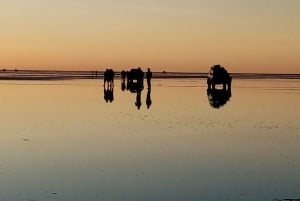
x: 61, y: 140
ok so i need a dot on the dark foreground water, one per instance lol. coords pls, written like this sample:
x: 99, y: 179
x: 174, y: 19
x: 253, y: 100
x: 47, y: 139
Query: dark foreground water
x: 61, y: 140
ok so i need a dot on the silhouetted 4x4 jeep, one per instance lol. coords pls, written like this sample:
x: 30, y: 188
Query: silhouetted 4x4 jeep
x: 218, y: 75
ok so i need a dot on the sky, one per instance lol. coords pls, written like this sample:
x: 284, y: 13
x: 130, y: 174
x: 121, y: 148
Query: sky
x: 172, y: 35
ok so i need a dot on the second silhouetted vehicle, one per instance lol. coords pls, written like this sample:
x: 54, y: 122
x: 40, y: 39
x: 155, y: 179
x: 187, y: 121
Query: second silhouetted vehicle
x: 218, y: 75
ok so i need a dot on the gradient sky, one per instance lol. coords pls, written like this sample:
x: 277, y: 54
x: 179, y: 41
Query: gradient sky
x: 171, y: 35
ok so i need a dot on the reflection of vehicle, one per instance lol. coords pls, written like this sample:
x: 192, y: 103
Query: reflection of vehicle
x: 218, y: 97
x: 135, y: 87
x: 218, y: 75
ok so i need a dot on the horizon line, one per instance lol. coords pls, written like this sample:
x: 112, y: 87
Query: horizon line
x: 3, y: 70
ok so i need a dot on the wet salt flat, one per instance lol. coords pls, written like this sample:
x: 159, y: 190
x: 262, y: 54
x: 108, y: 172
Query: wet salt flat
x: 61, y: 140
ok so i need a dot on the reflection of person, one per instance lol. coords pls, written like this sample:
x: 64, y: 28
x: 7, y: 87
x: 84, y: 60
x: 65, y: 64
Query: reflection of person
x: 123, y: 85
x: 149, y: 76
x: 123, y: 78
x: 109, y: 93
x: 106, y: 96
x: 138, y: 102
x: 148, y: 99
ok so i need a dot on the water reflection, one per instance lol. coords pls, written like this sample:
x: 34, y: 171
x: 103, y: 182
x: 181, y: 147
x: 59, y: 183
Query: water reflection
x: 123, y: 78
x: 218, y: 97
x: 148, y: 99
x: 136, y: 87
x: 123, y: 85
x: 179, y: 149
x: 108, y: 93
x: 132, y: 81
x: 138, y: 102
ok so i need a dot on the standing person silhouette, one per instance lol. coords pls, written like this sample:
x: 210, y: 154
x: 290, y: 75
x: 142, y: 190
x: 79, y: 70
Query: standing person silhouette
x: 149, y: 76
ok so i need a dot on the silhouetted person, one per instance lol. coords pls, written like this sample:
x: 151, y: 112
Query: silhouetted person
x: 149, y: 76
x: 112, y: 75
x: 123, y: 75
x: 148, y: 99
x: 123, y: 78
x: 109, y: 77
x: 105, y: 77
x: 123, y: 85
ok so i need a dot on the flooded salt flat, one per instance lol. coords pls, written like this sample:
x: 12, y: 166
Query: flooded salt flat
x: 62, y: 140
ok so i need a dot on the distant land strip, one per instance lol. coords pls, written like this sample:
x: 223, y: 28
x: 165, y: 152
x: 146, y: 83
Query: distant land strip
x: 64, y: 75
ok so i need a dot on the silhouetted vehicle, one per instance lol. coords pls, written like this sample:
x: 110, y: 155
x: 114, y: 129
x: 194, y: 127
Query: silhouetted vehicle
x: 218, y: 97
x: 123, y: 74
x: 218, y: 75
x: 135, y: 75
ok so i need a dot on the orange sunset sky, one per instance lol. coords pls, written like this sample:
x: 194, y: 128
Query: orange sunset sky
x: 172, y: 35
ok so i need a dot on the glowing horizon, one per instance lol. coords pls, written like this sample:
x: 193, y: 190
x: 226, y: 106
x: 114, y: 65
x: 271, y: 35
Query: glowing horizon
x: 183, y: 36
